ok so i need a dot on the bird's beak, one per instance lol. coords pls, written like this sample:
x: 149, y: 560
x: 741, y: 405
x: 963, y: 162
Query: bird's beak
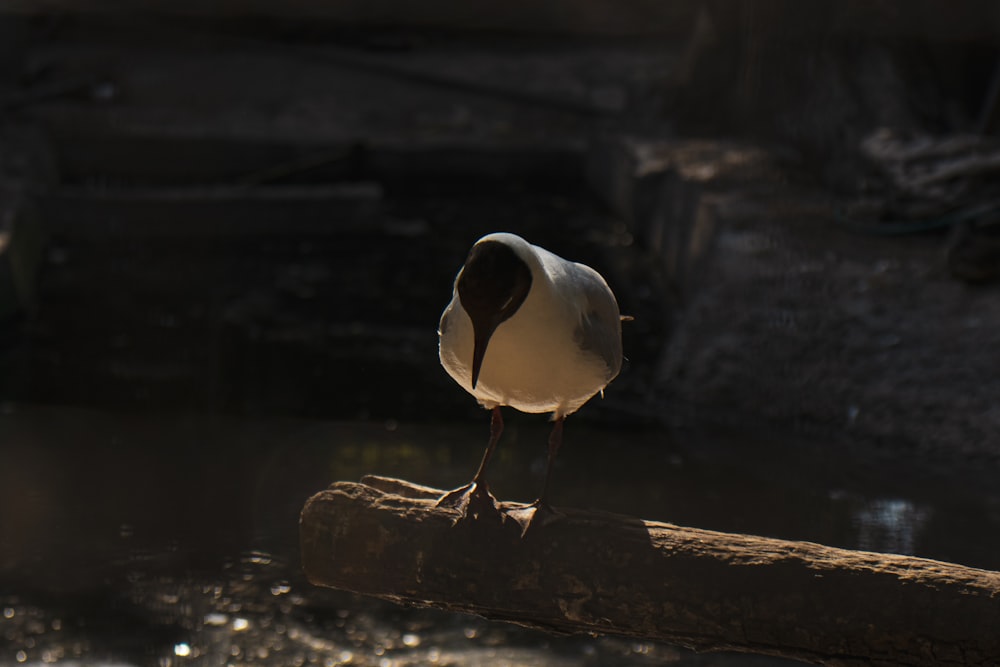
x: 482, y: 334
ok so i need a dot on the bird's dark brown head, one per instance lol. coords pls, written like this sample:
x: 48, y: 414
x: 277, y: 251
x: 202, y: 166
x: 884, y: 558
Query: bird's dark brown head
x: 493, y: 284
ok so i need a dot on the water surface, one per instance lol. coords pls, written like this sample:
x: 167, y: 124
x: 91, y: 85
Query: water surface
x: 133, y: 539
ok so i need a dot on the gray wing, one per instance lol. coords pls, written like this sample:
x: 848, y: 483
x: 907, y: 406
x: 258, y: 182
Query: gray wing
x: 600, y: 328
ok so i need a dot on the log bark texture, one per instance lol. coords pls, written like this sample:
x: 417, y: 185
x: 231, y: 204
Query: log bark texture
x: 602, y: 573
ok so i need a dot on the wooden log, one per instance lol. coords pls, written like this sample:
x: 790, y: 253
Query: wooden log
x: 590, y: 572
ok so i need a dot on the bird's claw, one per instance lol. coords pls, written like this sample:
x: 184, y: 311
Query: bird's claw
x: 472, y: 502
x: 534, y: 517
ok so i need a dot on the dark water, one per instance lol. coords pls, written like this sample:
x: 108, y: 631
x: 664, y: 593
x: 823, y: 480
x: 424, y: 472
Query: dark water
x: 172, y: 540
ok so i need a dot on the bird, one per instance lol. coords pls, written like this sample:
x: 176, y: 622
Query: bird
x: 527, y: 329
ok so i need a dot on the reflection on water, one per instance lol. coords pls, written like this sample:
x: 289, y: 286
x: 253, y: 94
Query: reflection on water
x: 890, y: 525
x: 251, y: 614
x: 172, y: 541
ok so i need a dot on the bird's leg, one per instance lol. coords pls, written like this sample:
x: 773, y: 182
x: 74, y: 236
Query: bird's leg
x: 537, y: 514
x: 555, y: 439
x: 476, y: 494
x: 496, y: 430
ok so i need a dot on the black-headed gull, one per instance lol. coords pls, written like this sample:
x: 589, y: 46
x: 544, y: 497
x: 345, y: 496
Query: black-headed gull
x: 528, y: 329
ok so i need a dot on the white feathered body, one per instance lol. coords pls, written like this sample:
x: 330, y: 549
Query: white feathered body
x: 544, y: 357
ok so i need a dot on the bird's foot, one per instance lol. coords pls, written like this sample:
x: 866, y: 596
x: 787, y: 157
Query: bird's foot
x: 472, y: 502
x: 534, y: 517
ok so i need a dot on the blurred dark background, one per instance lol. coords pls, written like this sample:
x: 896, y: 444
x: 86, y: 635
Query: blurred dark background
x: 227, y: 231
x: 260, y: 211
